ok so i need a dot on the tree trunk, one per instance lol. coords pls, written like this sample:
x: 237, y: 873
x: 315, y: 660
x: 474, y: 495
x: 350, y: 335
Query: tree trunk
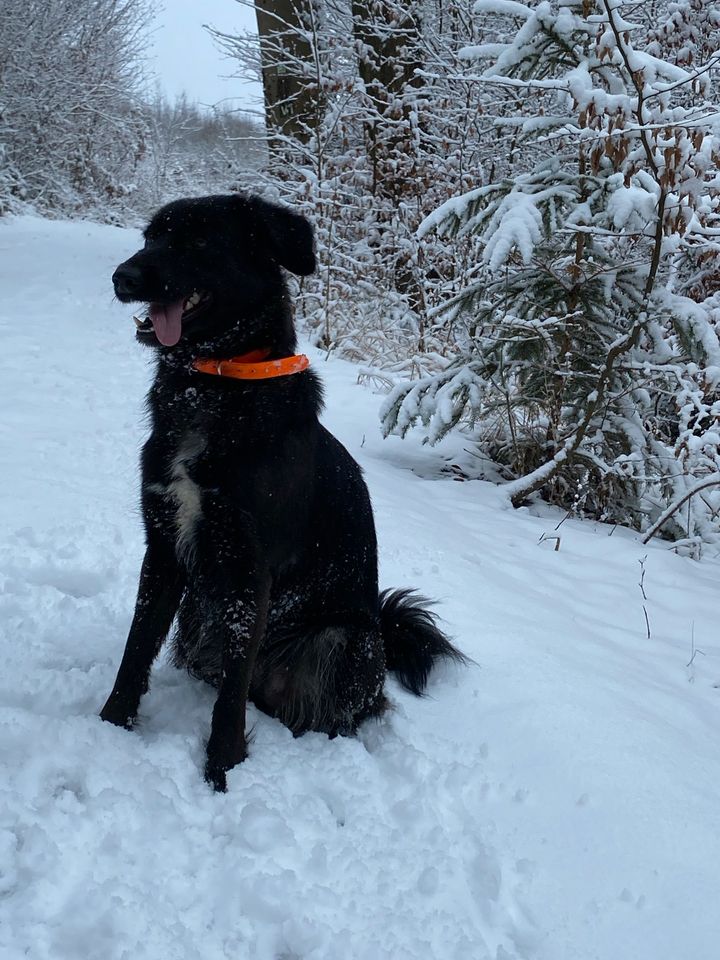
x: 387, y: 39
x: 291, y: 97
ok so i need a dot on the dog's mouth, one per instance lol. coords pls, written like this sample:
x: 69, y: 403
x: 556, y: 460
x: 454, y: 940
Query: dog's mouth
x: 166, y: 320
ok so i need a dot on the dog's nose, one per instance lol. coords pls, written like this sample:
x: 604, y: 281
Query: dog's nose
x: 126, y: 280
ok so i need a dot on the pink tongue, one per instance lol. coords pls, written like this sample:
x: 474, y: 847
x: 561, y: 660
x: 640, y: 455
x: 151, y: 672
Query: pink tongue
x: 167, y: 321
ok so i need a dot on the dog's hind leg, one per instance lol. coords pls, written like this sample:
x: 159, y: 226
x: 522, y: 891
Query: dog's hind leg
x: 159, y: 592
x: 329, y: 680
x: 195, y: 647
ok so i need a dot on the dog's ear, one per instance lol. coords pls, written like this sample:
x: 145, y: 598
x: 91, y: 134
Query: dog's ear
x: 289, y: 237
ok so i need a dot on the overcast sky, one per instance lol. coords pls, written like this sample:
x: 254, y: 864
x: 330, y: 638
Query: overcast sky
x: 184, y: 57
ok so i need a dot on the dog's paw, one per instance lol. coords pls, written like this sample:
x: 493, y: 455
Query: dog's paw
x: 221, y: 758
x: 215, y: 776
x: 118, y: 715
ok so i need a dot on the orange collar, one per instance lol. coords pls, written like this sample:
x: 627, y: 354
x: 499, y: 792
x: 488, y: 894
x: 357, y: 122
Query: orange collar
x: 250, y: 366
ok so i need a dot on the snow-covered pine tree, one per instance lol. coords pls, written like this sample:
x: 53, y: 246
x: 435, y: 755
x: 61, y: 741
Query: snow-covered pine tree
x: 589, y: 362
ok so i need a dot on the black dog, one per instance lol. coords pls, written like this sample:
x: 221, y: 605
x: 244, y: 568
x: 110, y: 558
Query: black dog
x: 259, y: 529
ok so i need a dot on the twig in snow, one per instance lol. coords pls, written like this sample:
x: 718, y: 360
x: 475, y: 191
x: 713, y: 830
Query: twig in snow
x: 694, y: 651
x: 642, y: 576
x: 568, y: 514
x: 545, y: 537
x: 641, y: 584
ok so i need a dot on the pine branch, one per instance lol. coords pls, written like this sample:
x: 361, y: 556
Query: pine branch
x: 520, y: 489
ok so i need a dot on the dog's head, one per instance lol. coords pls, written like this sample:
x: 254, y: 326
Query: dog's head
x: 210, y: 274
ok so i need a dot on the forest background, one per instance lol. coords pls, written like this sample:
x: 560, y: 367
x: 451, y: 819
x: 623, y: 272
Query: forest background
x: 516, y: 210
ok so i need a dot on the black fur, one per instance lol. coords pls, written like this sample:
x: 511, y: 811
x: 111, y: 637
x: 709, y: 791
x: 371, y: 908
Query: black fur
x: 260, y: 535
x: 412, y: 640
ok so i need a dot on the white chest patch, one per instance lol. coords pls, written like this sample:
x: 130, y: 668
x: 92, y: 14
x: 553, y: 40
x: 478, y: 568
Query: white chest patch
x: 185, y: 492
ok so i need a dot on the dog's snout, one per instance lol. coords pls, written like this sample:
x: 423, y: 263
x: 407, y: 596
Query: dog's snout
x: 127, y: 279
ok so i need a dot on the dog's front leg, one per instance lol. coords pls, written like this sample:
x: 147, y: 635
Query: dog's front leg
x: 159, y: 591
x: 242, y: 618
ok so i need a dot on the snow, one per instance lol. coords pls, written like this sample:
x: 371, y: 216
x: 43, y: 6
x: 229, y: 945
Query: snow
x: 558, y: 800
x: 509, y: 7
x: 516, y: 225
x: 629, y: 207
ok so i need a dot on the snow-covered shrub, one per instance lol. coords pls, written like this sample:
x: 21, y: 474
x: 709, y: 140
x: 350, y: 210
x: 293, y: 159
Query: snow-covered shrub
x: 192, y: 151
x: 69, y: 79
x: 77, y: 133
x: 12, y: 186
x: 587, y: 358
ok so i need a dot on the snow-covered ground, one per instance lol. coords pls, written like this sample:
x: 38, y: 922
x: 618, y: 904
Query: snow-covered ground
x: 560, y: 800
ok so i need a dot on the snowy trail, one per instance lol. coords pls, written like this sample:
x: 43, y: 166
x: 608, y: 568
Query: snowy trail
x: 559, y: 801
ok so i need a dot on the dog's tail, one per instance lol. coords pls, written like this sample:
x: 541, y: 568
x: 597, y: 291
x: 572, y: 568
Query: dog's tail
x: 412, y: 639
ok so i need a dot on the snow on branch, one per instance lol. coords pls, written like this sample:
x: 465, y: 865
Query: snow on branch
x: 589, y: 334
